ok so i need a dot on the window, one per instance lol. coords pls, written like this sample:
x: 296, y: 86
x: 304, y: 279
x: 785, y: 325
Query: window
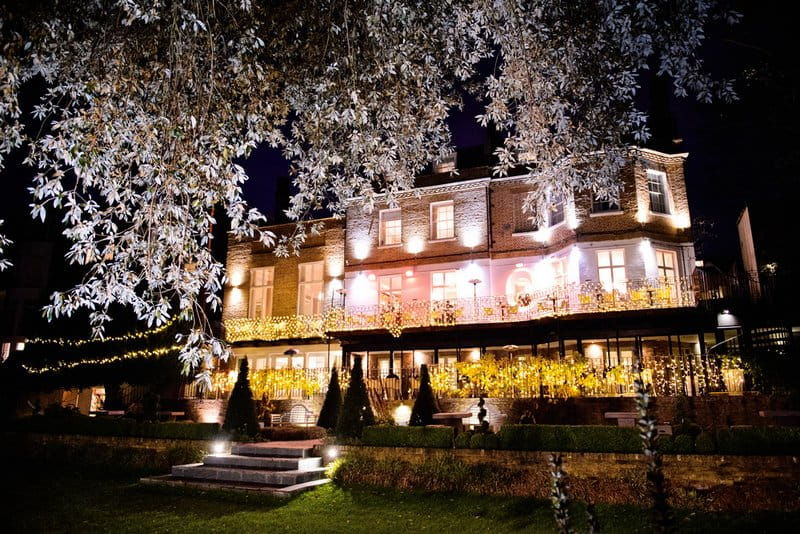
x: 443, y: 285
x: 605, y: 206
x: 657, y: 186
x: 309, y: 288
x: 611, y: 270
x: 391, y: 227
x: 391, y: 287
x: 559, y: 272
x: 556, y: 211
x: 442, y: 220
x: 665, y: 264
x: 445, y: 164
x: 523, y: 221
x: 261, y: 281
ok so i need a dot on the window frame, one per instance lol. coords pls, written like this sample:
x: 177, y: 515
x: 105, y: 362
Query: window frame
x: 663, y: 253
x: 665, y: 192
x: 304, y: 285
x: 444, y: 287
x: 382, y: 227
x: 269, y: 290
x: 434, y: 222
x: 393, y: 295
x: 613, y: 269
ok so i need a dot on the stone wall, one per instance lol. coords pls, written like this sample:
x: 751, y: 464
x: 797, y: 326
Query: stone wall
x: 694, y: 481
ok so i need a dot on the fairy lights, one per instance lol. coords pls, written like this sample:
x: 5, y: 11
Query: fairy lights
x: 274, y: 328
x: 125, y: 337
x: 130, y: 355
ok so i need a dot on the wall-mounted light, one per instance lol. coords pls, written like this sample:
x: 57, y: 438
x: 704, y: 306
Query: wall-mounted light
x: 409, y: 273
x: 236, y: 277
x: 371, y: 277
x: 361, y: 249
x: 471, y: 237
x: 415, y: 245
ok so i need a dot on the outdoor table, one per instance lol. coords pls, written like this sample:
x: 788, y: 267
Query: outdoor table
x: 454, y: 419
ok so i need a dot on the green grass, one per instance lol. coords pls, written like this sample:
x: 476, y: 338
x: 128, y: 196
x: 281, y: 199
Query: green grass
x: 71, y: 501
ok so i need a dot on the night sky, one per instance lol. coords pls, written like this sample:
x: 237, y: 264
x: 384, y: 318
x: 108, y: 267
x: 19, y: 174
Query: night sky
x: 740, y: 153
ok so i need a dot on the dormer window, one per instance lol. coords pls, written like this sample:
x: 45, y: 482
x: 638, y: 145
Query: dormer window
x: 657, y: 187
x: 391, y: 228
x: 445, y: 164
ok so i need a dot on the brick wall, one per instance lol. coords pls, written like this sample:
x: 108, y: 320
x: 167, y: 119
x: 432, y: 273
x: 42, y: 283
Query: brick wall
x: 246, y: 255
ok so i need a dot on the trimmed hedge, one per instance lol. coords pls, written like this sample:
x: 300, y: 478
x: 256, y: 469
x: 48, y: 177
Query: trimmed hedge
x: 569, y: 438
x: 100, y: 426
x: 408, y: 436
x: 758, y: 441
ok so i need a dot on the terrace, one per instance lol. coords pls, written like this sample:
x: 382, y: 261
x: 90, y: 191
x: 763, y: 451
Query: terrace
x: 396, y: 315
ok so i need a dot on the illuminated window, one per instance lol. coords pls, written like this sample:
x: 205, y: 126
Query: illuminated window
x: 442, y: 220
x: 665, y: 264
x: 657, y: 186
x: 611, y: 270
x: 523, y: 220
x: 605, y: 206
x: 309, y: 288
x: 444, y: 285
x: 391, y: 227
x: 555, y: 214
x: 391, y: 288
x: 261, y: 283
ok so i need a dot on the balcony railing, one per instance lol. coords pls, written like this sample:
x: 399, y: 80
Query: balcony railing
x: 586, y: 297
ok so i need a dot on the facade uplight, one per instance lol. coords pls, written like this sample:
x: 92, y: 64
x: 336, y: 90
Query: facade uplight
x: 415, y: 245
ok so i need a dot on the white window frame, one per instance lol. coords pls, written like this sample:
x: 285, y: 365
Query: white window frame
x: 390, y: 288
x: 392, y: 238
x: 664, y: 185
x: 314, y: 287
x: 262, y: 284
x: 439, y: 225
x: 549, y: 211
x: 612, y: 274
x: 447, y: 291
x: 663, y: 270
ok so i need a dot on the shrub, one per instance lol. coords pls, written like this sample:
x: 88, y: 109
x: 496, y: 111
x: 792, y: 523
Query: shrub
x: 569, y: 438
x: 329, y: 415
x: 425, y: 405
x: 356, y: 410
x: 292, y: 433
x: 704, y: 444
x: 240, y: 417
x: 98, y: 426
x: 683, y: 444
x: 665, y: 444
x: 439, y: 437
x: 764, y: 441
x: 484, y: 440
x: 463, y: 439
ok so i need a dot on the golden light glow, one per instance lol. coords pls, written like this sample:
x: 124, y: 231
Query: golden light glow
x: 594, y: 352
x: 471, y: 237
x: 542, y: 235
x: 335, y: 268
x: 402, y: 415
x: 475, y: 355
x: 415, y: 245
x: 681, y: 221
x: 641, y: 215
x: 236, y: 277
x: 409, y: 273
x: 361, y: 249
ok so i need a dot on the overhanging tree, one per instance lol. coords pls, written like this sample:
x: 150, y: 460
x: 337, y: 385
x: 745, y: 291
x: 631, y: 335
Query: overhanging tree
x: 149, y: 105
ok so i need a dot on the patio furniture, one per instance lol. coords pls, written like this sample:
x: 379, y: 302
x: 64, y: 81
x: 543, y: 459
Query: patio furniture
x: 454, y: 419
x: 789, y: 417
x: 626, y: 419
x: 298, y: 415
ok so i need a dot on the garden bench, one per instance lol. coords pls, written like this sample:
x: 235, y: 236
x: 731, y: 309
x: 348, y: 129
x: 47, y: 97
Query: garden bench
x: 298, y: 415
x: 453, y: 419
x: 169, y: 415
x: 109, y: 413
x: 626, y: 419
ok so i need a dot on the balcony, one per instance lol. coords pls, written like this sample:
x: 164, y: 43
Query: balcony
x: 586, y: 297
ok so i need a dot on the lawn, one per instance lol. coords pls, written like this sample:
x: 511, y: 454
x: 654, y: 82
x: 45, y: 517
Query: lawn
x: 73, y: 501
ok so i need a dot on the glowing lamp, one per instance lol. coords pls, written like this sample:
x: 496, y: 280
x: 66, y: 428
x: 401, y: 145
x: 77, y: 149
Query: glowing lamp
x: 415, y: 245
x: 361, y: 249
x: 402, y: 415
x: 471, y: 237
x: 236, y: 277
x: 519, y: 265
x: 332, y: 453
x: 409, y: 273
x: 371, y: 277
x: 219, y: 447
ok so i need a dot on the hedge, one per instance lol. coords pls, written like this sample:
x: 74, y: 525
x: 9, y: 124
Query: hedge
x: 758, y: 441
x: 101, y: 426
x: 408, y: 436
x: 569, y: 438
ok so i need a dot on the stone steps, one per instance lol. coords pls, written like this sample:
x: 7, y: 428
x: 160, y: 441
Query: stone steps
x: 279, y: 468
x: 250, y: 476
x: 261, y: 462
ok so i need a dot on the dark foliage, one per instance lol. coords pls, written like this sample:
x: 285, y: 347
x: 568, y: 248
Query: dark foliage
x: 329, y: 415
x: 425, y: 405
x: 356, y: 409
x: 408, y: 436
x: 110, y: 426
x: 240, y: 416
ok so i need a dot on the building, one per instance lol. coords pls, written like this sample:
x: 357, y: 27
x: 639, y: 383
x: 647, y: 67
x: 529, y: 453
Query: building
x: 458, y: 272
